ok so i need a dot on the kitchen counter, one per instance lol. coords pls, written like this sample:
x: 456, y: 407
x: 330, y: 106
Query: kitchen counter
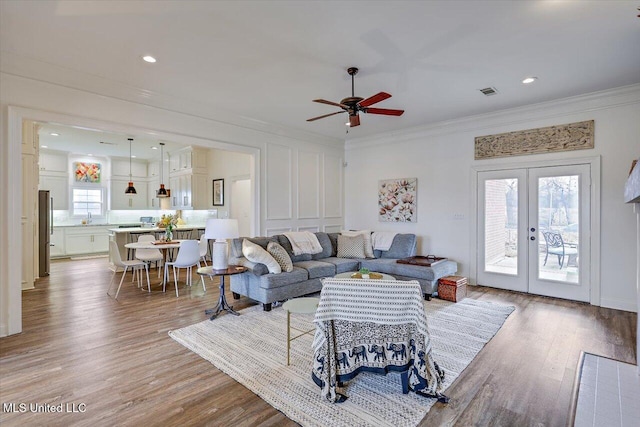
x: 153, y: 229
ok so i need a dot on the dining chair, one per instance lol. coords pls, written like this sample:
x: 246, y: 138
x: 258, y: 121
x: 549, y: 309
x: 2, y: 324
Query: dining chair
x: 203, y: 244
x: 149, y: 255
x: 555, y: 245
x: 188, y: 256
x: 135, y: 265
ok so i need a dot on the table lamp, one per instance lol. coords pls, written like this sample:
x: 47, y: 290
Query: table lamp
x: 221, y: 230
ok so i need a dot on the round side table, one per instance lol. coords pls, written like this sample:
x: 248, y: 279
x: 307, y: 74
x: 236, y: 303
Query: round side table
x: 301, y: 306
x: 222, y: 301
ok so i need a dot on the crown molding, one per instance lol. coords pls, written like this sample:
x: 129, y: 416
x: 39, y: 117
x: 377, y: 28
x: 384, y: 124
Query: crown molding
x: 594, y: 101
x: 28, y: 68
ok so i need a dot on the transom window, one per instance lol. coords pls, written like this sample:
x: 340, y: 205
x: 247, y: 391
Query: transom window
x: 87, y: 201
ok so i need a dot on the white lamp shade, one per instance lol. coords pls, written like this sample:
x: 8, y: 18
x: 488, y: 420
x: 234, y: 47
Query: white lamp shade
x: 221, y: 229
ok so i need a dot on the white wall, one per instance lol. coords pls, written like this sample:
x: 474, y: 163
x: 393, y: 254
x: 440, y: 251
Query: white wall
x: 107, y: 106
x: 226, y: 165
x: 442, y: 157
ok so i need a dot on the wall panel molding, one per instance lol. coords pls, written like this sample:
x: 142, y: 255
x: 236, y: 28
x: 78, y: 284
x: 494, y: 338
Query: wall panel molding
x: 279, y: 185
x: 308, y: 179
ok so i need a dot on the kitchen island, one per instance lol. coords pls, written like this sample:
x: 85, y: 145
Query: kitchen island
x: 125, y: 235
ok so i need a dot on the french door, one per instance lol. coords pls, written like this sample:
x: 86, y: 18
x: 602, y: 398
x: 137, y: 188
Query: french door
x: 534, y: 230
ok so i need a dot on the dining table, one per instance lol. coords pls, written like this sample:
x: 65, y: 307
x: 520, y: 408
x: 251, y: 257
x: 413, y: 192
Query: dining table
x: 158, y: 244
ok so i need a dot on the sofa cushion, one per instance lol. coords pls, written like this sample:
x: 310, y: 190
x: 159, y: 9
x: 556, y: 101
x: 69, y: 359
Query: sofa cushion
x: 286, y: 244
x: 283, y: 279
x: 281, y: 256
x: 255, y: 253
x: 351, y: 246
x: 403, y: 246
x: 317, y: 268
x: 368, y: 243
x: 325, y: 242
x: 343, y: 264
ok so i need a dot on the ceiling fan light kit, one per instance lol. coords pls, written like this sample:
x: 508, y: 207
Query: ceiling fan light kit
x: 355, y: 104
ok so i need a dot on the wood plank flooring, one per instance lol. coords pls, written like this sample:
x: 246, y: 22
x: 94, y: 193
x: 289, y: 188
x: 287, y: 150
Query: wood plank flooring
x: 80, y: 346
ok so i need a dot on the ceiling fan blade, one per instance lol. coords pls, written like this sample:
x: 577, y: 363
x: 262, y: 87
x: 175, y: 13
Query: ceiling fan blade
x: 374, y: 99
x: 354, y: 120
x: 324, y: 101
x: 384, y: 111
x: 326, y: 115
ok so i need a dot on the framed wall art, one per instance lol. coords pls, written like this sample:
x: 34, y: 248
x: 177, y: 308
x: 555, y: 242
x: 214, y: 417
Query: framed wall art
x: 218, y: 192
x: 87, y: 172
x: 397, y: 200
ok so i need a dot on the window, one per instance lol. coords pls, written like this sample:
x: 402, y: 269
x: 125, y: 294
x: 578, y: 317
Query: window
x: 87, y: 201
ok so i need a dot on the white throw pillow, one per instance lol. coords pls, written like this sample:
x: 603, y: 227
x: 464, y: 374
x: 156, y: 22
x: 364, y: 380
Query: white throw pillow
x: 368, y: 242
x: 255, y: 253
x: 281, y: 256
x: 351, y: 246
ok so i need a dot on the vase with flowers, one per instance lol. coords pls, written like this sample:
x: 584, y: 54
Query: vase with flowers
x: 168, y: 222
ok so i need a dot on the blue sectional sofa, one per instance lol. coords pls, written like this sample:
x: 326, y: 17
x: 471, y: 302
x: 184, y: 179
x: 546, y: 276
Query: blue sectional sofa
x: 309, y: 270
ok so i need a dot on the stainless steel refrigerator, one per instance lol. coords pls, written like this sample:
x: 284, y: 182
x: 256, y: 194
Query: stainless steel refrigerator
x: 45, y: 230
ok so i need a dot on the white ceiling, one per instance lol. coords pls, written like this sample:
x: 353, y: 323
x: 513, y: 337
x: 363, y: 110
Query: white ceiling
x: 266, y: 60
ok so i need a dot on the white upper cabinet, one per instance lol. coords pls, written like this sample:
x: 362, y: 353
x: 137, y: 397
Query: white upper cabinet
x: 53, y: 162
x: 120, y: 167
x: 188, y: 177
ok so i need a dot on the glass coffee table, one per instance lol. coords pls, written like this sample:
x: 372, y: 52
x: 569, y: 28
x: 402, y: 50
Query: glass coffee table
x: 356, y: 275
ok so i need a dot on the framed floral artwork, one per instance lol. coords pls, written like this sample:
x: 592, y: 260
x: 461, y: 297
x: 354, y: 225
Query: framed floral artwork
x: 87, y: 172
x: 397, y: 200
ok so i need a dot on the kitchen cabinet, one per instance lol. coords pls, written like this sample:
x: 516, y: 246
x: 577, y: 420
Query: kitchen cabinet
x: 56, y: 248
x: 120, y: 167
x: 58, y: 187
x: 53, y: 162
x: 86, y: 240
x: 122, y: 201
x: 153, y: 169
x: 188, y: 177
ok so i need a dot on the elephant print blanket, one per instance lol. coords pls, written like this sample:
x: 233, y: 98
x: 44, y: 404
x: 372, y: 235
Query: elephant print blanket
x: 374, y: 326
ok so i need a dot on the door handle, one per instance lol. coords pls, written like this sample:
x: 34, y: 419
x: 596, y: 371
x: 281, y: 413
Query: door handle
x: 533, y: 237
x: 533, y: 229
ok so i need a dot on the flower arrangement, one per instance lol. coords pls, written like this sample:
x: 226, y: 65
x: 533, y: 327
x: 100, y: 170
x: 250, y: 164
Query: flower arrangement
x: 168, y: 222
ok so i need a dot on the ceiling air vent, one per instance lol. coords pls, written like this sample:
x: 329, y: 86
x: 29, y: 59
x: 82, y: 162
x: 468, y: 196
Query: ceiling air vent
x: 489, y: 91
x: 108, y: 143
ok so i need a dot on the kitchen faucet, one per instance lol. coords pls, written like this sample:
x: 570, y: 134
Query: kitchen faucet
x: 88, y: 217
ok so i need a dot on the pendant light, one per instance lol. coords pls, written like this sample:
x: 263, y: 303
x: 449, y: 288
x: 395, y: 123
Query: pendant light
x: 161, y: 193
x: 131, y: 190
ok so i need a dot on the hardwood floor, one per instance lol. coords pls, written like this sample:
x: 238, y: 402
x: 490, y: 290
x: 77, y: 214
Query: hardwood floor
x: 80, y: 346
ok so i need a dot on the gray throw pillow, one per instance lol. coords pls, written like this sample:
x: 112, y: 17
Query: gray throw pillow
x: 351, y: 246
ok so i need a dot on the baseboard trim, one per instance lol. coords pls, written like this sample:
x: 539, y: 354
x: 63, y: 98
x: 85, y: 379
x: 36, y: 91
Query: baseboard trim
x: 619, y: 304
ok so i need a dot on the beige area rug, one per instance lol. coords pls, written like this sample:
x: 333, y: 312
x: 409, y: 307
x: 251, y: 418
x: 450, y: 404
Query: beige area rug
x: 252, y: 349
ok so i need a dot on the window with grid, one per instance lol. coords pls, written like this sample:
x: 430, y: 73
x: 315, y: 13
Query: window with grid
x: 87, y: 201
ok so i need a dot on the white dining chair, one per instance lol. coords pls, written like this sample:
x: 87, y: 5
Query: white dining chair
x: 135, y: 265
x: 149, y: 255
x: 203, y: 244
x: 188, y: 256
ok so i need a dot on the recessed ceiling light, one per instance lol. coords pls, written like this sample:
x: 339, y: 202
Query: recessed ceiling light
x: 149, y: 58
x: 154, y: 148
x: 54, y: 134
x: 134, y: 156
x: 44, y: 146
x: 90, y: 155
x: 348, y: 124
x: 529, y: 80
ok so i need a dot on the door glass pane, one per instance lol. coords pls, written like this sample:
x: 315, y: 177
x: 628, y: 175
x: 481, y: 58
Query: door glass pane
x: 501, y: 226
x: 558, y: 222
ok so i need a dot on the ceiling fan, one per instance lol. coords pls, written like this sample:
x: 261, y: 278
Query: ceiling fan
x: 354, y: 104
